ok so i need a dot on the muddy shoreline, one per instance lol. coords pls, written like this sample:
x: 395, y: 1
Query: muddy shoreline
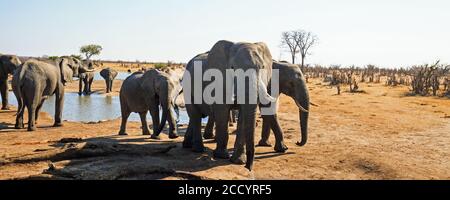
x: 380, y: 134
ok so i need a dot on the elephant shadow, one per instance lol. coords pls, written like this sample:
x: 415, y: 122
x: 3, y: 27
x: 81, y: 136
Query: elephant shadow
x: 4, y: 125
x: 122, y: 158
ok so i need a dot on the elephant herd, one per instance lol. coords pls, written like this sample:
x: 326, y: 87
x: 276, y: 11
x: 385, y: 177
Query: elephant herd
x: 155, y: 91
x: 35, y: 80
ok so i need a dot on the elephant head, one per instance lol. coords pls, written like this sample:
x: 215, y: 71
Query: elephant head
x: 245, y: 57
x: 108, y: 74
x: 9, y: 63
x: 293, y: 84
x: 71, y: 67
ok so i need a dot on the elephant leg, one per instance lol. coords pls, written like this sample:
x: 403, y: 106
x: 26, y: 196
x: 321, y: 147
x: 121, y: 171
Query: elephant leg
x: 209, y: 129
x: 238, y: 156
x: 107, y: 86
x: 221, y: 115
x: 280, y: 146
x: 248, y: 128
x: 196, y: 131
x: 154, y: 112
x: 125, y: 114
x: 90, y: 85
x: 143, y: 116
x: 86, y: 86
x: 32, y: 103
x: 31, y: 111
x: 80, y: 86
x: 38, y: 110
x: 173, y: 133
x: 111, y: 85
x: 187, y: 142
x: 19, y: 117
x: 264, y: 142
x: 59, y: 106
x: 4, y: 94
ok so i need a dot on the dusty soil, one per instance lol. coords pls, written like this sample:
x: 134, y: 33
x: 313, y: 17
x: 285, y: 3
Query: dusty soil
x: 379, y: 134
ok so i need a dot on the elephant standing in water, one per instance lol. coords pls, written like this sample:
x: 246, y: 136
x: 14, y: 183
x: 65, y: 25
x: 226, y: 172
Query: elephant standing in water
x: 225, y: 56
x: 109, y: 75
x: 142, y: 92
x: 86, y: 78
x: 35, y: 81
x: 8, y: 64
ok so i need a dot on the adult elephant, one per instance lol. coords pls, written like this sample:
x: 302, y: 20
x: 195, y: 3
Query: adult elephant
x: 86, y: 79
x: 293, y: 84
x: 36, y: 80
x: 8, y: 64
x: 109, y: 75
x: 241, y: 58
x: 142, y: 92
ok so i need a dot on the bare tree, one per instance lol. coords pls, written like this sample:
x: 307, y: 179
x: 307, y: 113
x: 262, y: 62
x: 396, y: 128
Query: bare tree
x: 298, y: 41
x: 288, y: 40
x: 304, y: 40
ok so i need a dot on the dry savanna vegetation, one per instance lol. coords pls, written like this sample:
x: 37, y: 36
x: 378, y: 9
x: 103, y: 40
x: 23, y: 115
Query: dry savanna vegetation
x: 367, y: 123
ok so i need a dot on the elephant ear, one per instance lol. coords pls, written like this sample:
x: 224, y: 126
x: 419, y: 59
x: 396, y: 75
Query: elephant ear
x: 148, y: 85
x: 266, y: 59
x: 103, y: 73
x: 64, y: 70
x: 114, y: 74
x: 219, y: 55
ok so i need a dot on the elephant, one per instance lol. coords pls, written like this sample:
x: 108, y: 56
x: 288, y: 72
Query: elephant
x: 8, y: 64
x: 109, y: 75
x: 293, y: 84
x: 143, y: 92
x: 35, y: 81
x: 224, y: 56
x: 86, y: 78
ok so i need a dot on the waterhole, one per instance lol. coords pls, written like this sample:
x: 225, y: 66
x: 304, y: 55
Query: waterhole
x: 93, y: 108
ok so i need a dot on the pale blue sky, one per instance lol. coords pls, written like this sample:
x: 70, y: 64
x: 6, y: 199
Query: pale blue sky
x: 381, y: 32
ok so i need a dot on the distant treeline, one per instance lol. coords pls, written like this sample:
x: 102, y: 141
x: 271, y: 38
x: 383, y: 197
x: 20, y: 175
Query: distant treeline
x: 112, y: 62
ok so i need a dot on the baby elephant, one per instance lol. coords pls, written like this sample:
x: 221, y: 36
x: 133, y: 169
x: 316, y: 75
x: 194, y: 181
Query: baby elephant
x: 142, y: 92
x: 86, y: 78
x: 109, y: 75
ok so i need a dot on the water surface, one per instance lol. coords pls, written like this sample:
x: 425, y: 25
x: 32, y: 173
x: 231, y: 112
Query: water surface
x: 92, y: 108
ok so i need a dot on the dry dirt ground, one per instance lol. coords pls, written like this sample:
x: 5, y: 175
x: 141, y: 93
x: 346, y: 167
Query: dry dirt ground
x: 379, y: 134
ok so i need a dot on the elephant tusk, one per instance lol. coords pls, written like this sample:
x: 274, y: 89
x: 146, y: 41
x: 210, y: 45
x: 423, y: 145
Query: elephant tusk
x: 264, y: 94
x: 301, y: 107
x: 313, y: 104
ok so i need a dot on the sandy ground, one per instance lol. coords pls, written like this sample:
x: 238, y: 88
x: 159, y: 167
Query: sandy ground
x: 380, y: 134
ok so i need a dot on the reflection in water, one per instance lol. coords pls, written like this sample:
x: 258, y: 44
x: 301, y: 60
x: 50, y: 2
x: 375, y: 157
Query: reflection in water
x: 92, y: 108
x: 120, y: 76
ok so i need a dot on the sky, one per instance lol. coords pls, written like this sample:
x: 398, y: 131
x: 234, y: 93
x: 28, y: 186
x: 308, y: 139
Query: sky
x: 386, y: 33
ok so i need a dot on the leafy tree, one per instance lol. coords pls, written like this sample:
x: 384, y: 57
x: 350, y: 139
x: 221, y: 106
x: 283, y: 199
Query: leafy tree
x: 91, y: 50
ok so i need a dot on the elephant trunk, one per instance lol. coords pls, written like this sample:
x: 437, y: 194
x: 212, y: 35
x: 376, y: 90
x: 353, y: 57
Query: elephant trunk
x: 83, y: 70
x: 304, y: 104
x: 166, y: 106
